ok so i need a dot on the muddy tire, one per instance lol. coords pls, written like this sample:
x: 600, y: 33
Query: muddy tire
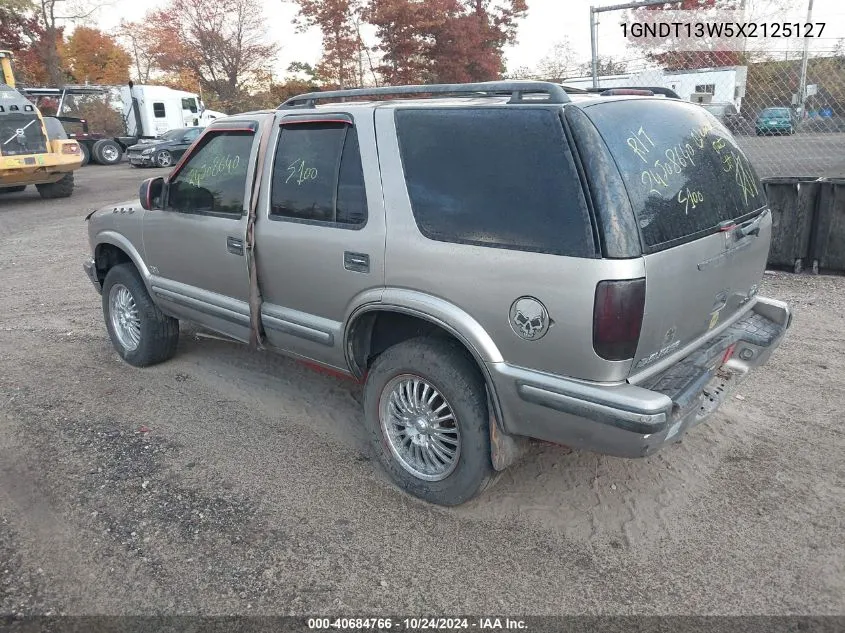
x: 425, y: 408
x: 141, y: 333
x: 60, y: 189
x: 16, y: 189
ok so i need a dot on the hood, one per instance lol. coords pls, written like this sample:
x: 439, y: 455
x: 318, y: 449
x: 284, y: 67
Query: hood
x: 147, y: 144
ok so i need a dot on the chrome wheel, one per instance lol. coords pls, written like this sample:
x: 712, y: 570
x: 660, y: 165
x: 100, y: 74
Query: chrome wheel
x: 124, y: 317
x: 420, y: 428
x: 164, y: 159
x: 110, y: 153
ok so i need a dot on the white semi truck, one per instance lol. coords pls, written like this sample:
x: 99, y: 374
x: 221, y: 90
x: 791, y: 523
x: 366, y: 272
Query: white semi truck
x: 125, y: 115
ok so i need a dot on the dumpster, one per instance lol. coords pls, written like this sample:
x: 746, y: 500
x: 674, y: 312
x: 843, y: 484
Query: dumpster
x: 828, y: 240
x: 793, y: 203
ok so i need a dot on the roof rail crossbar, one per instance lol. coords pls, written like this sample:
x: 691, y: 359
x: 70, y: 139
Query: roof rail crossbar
x: 658, y: 90
x: 517, y: 89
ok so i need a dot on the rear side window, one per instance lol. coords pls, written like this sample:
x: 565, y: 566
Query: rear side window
x: 498, y: 177
x: 158, y: 110
x: 317, y: 175
x: 683, y: 171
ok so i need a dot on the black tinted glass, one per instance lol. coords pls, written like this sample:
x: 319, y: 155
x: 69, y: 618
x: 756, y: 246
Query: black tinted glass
x: 501, y: 177
x: 351, y: 197
x: 214, y: 178
x: 683, y: 170
x: 317, y: 174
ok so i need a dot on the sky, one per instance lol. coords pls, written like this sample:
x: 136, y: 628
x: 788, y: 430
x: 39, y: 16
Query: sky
x: 547, y: 22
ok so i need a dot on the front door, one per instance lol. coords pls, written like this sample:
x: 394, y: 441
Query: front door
x: 320, y: 237
x: 194, y: 247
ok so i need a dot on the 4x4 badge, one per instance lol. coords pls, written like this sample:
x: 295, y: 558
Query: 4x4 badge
x: 529, y: 318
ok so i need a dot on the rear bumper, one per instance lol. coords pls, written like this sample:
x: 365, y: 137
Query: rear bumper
x: 637, y: 420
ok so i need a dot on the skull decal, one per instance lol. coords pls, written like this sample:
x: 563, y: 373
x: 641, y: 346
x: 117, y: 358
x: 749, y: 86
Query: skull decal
x: 529, y: 318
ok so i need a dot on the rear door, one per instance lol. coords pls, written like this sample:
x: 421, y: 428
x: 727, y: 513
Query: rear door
x: 702, y: 215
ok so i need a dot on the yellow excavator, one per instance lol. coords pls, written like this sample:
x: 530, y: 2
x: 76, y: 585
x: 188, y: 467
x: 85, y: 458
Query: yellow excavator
x: 34, y: 150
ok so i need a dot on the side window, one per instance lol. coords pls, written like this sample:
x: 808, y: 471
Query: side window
x: 189, y: 104
x: 213, y: 180
x: 497, y: 177
x: 317, y: 175
x: 158, y: 110
x: 191, y: 135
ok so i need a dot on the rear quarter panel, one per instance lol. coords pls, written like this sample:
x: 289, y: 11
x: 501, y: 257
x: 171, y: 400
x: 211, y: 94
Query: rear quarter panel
x: 484, y: 282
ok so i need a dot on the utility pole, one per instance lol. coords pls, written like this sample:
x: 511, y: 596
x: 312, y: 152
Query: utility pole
x: 594, y: 47
x: 616, y: 7
x: 802, y: 86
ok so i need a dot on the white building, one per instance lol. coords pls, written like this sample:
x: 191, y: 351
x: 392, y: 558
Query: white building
x: 702, y: 85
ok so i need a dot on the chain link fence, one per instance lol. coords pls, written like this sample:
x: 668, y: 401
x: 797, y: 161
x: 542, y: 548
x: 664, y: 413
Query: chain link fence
x: 760, y: 103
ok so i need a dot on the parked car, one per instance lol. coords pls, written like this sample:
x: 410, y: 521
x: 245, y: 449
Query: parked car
x: 728, y: 115
x: 506, y: 261
x: 775, y: 121
x: 165, y: 150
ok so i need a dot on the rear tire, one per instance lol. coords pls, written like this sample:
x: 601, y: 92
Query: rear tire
x: 141, y: 333
x: 406, y: 426
x: 16, y: 189
x: 107, y: 152
x: 60, y: 189
x: 86, y: 154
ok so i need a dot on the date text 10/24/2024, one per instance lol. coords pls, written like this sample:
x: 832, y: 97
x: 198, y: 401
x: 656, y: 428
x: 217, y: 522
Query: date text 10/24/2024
x: 417, y: 624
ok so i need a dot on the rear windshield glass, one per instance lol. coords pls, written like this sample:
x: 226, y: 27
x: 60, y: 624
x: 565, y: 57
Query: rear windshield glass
x: 683, y: 171
x: 776, y: 112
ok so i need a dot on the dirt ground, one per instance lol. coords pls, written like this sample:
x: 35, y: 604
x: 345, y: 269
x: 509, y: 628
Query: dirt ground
x: 233, y: 482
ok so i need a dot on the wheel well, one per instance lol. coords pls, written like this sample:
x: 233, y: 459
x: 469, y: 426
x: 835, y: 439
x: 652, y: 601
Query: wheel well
x: 107, y: 256
x: 373, y: 332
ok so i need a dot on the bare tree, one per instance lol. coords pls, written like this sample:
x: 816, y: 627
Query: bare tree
x: 52, y: 14
x: 558, y: 62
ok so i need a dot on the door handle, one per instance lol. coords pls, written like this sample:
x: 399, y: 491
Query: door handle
x: 356, y: 262
x: 235, y: 245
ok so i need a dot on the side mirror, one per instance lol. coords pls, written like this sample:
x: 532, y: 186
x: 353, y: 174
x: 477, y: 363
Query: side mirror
x: 150, y: 193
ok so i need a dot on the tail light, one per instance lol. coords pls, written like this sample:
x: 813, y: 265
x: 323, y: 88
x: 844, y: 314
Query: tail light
x: 618, y: 318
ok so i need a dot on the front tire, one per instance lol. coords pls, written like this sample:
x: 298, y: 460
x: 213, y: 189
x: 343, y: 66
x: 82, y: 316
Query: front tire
x: 425, y: 406
x: 163, y: 158
x: 62, y: 188
x: 141, y: 333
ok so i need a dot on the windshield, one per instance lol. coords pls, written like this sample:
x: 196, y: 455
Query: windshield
x: 776, y: 112
x: 683, y: 171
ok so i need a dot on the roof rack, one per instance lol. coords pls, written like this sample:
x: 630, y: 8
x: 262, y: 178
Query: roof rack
x: 517, y: 90
x: 659, y: 90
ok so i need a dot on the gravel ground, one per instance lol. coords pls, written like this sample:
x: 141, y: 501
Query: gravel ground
x: 233, y: 482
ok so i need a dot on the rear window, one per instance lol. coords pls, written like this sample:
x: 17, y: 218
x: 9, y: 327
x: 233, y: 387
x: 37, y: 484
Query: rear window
x: 683, y: 171
x: 776, y: 112
x: 497, y: 177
